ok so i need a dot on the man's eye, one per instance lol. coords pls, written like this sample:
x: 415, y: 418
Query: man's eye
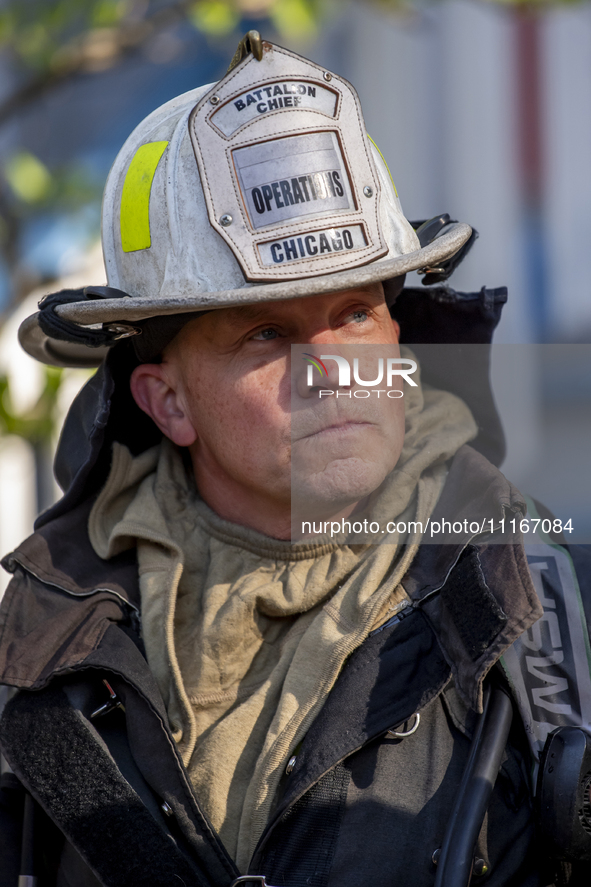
x: 359, y: 316
x: 265, y: 335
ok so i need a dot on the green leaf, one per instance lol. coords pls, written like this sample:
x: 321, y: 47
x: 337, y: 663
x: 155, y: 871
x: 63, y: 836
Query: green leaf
x: 108, y: 12
x: 28, y: 177
x: 34, y: 43
x: 294, y: 18
x: 38, y: 424
x: 214, y: 17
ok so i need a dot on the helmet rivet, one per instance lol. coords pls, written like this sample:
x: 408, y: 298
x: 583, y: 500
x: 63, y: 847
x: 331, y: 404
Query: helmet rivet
x: 368, y: 191
x: 226, y: 220
x: 327, y: 76
x: 214, y: 100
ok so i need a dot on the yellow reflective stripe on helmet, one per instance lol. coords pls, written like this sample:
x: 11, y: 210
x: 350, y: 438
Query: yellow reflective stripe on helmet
x: 135, y: 197
x: 385, y: 164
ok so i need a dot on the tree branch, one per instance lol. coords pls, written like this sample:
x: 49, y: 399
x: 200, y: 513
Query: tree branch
x: 93, y: 51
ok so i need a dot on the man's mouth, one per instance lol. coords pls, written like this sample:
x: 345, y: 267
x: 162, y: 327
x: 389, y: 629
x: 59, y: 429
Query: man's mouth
x: 339, y: 427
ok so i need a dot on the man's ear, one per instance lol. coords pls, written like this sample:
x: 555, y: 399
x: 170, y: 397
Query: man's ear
x: 156, y: 393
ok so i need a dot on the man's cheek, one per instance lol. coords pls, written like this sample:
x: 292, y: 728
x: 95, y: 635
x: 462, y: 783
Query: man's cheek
x: 254, y: 435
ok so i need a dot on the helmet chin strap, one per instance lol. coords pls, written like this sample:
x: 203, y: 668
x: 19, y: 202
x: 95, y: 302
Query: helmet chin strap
x: 150, y: 336
x: 57, y: 327
x: 427, y: 231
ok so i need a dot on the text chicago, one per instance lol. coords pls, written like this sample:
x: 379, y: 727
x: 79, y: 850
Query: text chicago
x: 310, y: 245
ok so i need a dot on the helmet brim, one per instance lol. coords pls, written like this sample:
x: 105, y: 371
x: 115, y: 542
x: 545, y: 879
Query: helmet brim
x: 135, y: 308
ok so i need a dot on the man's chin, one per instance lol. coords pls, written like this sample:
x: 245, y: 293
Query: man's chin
x: 319, y: 495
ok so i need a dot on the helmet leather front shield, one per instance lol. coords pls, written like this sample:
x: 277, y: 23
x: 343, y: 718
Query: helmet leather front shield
x: 286, y: 169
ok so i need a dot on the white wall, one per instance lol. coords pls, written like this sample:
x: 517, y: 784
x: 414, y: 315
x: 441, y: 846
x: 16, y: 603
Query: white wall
x: 567, y: 136
x: 18, y: 496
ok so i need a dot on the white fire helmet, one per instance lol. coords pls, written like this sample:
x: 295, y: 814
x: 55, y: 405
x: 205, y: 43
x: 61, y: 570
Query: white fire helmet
x: 264, y: 186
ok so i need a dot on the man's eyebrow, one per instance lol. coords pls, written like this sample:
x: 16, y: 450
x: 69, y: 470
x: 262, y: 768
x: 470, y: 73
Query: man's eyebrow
x: 242, y: 314
x: 254, y: 312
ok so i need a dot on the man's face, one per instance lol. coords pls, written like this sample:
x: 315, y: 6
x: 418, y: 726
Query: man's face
x: 230, y: 370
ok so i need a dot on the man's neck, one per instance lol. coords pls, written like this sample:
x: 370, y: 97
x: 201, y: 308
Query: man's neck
x: 278, y: 518
x: 232, y: 502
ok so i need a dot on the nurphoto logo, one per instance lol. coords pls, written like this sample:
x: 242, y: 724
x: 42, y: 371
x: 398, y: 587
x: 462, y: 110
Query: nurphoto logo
x: 387, y: 371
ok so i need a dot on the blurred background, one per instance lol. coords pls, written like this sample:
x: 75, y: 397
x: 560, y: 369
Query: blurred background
x: 482, y: 109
